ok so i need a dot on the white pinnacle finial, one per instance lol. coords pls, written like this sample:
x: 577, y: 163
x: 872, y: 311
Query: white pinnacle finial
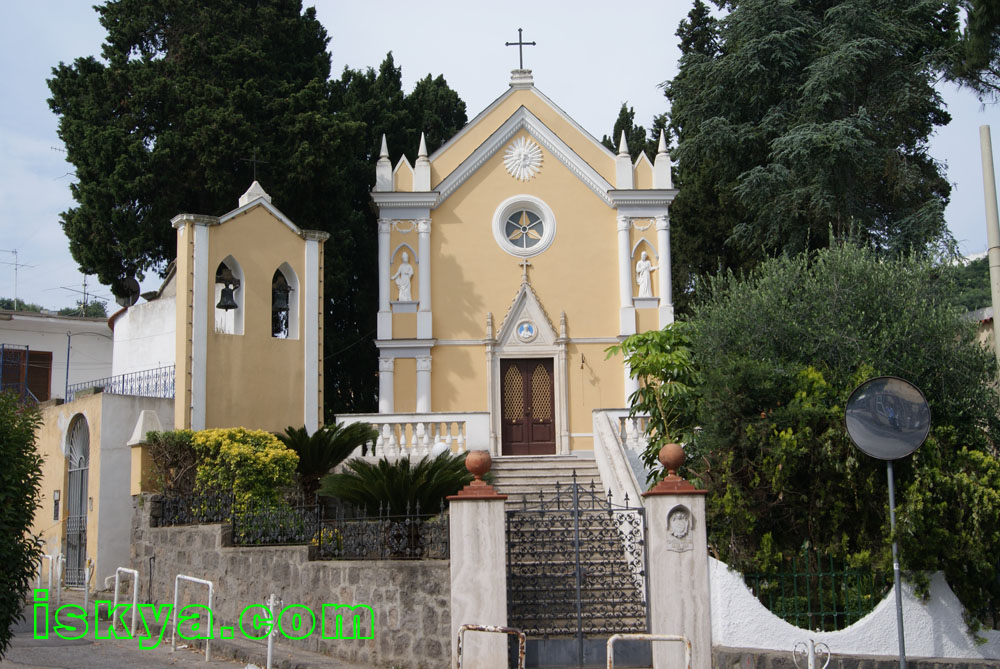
x: 422, y: 151
x: 384, y: 151
x: 623, y: 146
x: 255, y: 192
x: 661, y: 166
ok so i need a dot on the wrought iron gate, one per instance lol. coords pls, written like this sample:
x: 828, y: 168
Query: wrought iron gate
x: 76, y: 519
x: 576, y: 567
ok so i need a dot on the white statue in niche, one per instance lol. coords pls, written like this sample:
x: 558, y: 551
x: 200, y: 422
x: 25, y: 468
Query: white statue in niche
x: 402, y: 277
x: 679, y: 523
x: 643, y: 269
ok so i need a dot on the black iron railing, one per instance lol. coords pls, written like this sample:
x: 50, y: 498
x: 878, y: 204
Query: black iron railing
x: 292, y: 520
x: 411, y: 536
x: 157, y: 382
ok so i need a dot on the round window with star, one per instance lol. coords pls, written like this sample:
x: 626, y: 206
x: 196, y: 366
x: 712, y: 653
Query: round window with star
x: 524, y: 226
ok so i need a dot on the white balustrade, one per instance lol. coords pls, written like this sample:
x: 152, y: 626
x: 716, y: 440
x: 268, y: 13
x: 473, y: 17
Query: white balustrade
x: 412, y: 434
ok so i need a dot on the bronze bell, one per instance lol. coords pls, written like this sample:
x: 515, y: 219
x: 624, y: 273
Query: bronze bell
x: 227, y: 301
x: 279, y: 292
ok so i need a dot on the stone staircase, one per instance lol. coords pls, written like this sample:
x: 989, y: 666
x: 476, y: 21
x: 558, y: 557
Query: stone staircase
x: 537, y: 475
x: 545, y: 592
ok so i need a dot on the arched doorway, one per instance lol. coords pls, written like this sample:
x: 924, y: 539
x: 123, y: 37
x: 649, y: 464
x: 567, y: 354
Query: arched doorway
x: 76, y: 519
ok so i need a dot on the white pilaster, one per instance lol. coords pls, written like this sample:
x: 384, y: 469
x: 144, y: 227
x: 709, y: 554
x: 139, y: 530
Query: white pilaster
x: 424, y: 384
x: 631, y: 384
x: 310, y: 335
x: 661, y: 166
x: 664, y: 277
x: 202, y: 309
x: 627, y: 320
x: 384, y: 324
x: 386, y: 389
x: 383, y: 169
x: 424, y: 310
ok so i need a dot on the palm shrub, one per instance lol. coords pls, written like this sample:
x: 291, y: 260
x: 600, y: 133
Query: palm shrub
x: 20, y: 479
x: 326, y: 448
x: 394, y: 488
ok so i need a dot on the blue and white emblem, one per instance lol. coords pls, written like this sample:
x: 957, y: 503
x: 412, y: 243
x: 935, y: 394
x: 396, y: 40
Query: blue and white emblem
x: 526, y: 331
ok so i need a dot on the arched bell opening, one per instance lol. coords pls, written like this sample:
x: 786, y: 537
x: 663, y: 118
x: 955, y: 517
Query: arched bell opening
x: 284, y: 303
x: 229, y: 292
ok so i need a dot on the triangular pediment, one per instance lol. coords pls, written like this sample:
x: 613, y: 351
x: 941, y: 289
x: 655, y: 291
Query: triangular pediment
x: 526, y: 324
x: 523, y: 119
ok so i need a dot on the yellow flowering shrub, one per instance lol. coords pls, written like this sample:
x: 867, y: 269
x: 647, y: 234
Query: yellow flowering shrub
x: 254, y: 464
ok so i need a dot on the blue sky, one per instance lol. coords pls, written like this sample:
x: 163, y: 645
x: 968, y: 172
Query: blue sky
x: 589, y: 59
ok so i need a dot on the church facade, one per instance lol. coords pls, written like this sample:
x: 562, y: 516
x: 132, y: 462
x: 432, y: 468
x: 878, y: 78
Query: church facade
x: 509, y: 260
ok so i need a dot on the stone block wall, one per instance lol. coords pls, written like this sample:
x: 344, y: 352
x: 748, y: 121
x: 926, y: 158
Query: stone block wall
x: 410, y: 598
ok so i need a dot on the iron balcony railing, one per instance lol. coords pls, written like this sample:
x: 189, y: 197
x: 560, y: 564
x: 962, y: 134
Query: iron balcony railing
x: 157, y: 382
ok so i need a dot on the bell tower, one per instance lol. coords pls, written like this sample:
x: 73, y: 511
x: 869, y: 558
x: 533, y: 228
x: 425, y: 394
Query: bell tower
x: 249, y: 319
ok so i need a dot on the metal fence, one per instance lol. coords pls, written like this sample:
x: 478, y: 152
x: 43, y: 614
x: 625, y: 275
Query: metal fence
x: 157, y: 382
x: 820, y: 593
x: 346, y: 534
x: 358, y: 536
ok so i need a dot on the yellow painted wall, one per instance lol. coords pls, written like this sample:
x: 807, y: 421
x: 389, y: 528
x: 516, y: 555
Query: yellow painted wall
x: 472, y: 136
x: 405, y: 385
x: 254, y: 379
x: 458, y: 378
x: 643, y: 173
x: 472, y: 275
x: 50, y: 441
x: 402, y: 177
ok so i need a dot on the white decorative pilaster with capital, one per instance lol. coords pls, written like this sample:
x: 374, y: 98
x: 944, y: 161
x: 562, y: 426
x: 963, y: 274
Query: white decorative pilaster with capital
x: 627, y: 319
x: 664, y: 278
x: 424, y: 384
x: 424, y: 310
x: 384, y: 323
x: 386, y: 389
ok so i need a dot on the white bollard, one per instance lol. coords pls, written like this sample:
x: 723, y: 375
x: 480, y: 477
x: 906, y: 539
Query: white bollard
x: 173, y: 634
x: 135, y: 595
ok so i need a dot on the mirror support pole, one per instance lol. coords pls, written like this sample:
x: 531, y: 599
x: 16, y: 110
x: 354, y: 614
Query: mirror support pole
x: 895, y: 566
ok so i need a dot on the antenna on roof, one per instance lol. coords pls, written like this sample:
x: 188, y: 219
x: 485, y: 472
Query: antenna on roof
x: 16, y: 265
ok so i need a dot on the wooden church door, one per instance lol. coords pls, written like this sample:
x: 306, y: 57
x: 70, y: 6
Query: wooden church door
x: 528, y: 407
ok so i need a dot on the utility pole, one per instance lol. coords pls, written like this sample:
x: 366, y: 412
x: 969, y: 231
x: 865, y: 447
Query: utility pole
x: 992, y: 229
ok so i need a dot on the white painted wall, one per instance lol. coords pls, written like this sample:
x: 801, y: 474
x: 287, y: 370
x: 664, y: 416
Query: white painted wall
x: 932, y: 629
x: 90, y: 355
x: 144, y: 337
x: 119, y: 414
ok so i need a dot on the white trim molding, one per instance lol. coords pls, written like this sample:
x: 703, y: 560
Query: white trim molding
x: 201, y: 277
x: 313, y: 310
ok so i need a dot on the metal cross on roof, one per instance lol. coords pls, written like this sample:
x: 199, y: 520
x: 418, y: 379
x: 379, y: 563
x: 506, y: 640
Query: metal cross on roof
x: 520, y: 44
x: 255, y: 161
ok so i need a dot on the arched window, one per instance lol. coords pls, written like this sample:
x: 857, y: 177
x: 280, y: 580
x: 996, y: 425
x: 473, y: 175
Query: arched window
x: 229, y: 290
x: 284, y: 303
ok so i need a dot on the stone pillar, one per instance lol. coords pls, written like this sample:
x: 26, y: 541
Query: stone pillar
x: 384, y: 325
x: 386, y: 388
x: 424, y: 310
x: 478, y: 568
x: 424, y: 384
x: 664, y: 278
x: 627, y: 318
x: 679, y: 599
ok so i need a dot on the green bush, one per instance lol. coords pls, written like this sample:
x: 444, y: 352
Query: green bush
x: 253, y: 464
x: 395, y: 487
x: 20, y: 479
